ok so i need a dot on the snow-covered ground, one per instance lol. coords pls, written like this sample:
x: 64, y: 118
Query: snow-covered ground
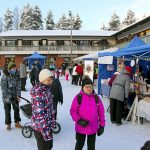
x: 125, y: 137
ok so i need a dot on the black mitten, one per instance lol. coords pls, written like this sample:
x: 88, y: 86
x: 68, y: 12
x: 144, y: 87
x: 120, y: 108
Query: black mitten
x: 82, y: 122
x: 61, y: 102
x: 100, y: 131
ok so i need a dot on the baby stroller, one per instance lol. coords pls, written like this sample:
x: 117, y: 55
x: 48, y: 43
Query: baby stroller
x: 27, y: 130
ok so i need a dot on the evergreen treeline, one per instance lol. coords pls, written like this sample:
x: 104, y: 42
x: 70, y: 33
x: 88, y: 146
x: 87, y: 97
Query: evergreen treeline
x: 115, y: 23
x: 30, y: 18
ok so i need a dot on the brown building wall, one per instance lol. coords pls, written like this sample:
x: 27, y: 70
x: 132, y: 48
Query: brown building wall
x: 2, y: 60
x: 19, y: 58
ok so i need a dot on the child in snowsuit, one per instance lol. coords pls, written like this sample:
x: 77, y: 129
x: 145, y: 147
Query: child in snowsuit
x: 88, y: 116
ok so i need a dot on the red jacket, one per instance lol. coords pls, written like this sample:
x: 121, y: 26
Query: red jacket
x: 79, y: 70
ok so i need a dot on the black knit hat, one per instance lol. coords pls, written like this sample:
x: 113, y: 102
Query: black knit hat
x: 86, y: 81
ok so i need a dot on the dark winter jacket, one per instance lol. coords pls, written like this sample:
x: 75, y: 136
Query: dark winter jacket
x: 57, y: 91
x: 10, y: 86
x: 42, y: 110
x: 33, y: 73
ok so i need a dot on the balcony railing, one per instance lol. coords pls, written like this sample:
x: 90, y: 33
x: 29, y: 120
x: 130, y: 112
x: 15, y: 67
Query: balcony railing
x: 51, y: 48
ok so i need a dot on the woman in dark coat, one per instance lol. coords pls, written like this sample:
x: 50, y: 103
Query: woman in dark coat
x: 118, y: 93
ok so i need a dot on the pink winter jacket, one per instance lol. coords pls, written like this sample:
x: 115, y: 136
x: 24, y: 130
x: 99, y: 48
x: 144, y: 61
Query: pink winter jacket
x: 88, y: 110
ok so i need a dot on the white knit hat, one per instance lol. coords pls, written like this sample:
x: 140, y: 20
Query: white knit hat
x: 44, y: 74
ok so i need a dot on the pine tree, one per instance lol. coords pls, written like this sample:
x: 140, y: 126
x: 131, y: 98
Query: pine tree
x: 26, y: 18
x: 50, y: 25
x: 8, y: 20
x: 37, y: 23
x: 130, y: 18
x: 16, y: 18
x: 103, y: 27
x: 1, y: 25
x: 77, y: 23
x: 114, y: 23
x: 63, y: 23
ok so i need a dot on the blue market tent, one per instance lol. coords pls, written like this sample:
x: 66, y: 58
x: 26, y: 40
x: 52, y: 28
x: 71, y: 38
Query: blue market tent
x: 34, y: 57
x: 136, y: 48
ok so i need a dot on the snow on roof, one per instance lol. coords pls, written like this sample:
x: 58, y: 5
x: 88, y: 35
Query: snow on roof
x: 55, y: 33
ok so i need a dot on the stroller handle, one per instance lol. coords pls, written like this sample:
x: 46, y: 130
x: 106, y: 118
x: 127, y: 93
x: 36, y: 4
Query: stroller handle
x: 25, y: 99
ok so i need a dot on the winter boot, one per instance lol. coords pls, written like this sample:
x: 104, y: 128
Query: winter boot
x: 8, y: 127
x: 18, y: 125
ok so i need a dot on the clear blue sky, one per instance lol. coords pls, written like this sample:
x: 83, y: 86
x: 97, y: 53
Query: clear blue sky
x: 92, y: 12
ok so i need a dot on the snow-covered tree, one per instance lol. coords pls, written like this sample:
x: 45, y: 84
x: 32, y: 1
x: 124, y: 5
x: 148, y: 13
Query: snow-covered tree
x: 16, y: 18
x: 103, y: 27
x: 77, y: 23
x: 1, y: 25
x: 26, y: 18
x: 114, y: 23
x: 50, y: 25
x: 130, y: 18
x: 63, y: 23
x: 37, y: 23
x: 8, y: 20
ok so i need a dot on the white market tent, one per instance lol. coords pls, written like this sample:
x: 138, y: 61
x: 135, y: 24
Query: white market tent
x: 94, y: 55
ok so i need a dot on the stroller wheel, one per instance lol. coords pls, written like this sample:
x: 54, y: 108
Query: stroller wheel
x: 56, y: 128
x: 27, y: 131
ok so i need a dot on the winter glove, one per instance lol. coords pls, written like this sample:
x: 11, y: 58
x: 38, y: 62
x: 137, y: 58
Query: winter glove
x: 82, y: 122
x: 61, y: 102
x: 100, y: 131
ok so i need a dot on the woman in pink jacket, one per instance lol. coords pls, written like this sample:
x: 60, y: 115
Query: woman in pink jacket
x: 88, y: 116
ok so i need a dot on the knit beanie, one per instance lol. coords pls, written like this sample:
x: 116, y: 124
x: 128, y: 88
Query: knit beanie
x: 86, y: 81
x: 44, y: 74
x: 11, y: 65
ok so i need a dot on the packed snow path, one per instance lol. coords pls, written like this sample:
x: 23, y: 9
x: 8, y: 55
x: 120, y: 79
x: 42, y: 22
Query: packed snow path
x: 125, y: 137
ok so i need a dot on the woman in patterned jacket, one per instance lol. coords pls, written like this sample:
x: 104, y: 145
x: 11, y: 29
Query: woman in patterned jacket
x: 42, y: 110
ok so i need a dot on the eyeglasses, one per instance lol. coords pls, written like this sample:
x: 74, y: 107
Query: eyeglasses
x: 88, y: 86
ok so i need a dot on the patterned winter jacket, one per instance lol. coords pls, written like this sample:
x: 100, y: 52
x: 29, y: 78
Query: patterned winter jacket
x: 42, y: 110
x: 10, y: 86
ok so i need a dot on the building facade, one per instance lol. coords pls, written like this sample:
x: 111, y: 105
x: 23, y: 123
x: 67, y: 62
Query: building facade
x: 61, y: 45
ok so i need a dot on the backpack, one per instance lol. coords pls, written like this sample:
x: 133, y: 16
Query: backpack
x: 79, y: 99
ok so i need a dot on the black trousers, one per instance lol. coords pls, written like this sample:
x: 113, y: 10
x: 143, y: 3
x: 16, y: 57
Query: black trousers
x: 41, y: 143
x: 7, y: 108
x: 55, y: 104
x: 23, y: 83
x: 80, y: 140
x: 79, y: 79
x: 74, y: 79
x: 116, y: 110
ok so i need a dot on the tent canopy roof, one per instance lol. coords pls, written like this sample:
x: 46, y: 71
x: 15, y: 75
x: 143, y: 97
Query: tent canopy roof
x: 136, y: 48
x: 36, y: 56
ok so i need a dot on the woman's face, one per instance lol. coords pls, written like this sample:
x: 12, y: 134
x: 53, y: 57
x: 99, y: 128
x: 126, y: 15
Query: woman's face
x: 48, y: 81
x: 88, y: 88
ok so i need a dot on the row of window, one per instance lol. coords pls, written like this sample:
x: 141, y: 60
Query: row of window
x: 55, y: 43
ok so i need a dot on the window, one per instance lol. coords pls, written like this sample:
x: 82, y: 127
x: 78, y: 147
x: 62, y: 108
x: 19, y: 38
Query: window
x: 27, y: 42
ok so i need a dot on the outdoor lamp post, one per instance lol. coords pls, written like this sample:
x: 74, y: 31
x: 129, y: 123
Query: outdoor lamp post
x: 70, y: 14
